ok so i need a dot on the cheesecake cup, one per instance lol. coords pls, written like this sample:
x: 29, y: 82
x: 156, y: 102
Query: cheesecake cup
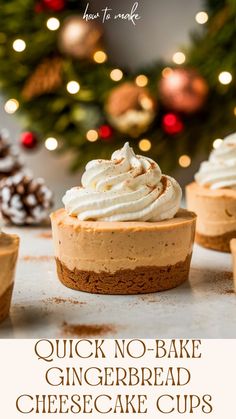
x: 216, y: 215
x: 233, y: 251
x: 122, y: 231
x: 9, y: 246
x: 213, y: 197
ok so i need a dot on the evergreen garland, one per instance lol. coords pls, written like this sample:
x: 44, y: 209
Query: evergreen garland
x: 68, y: 117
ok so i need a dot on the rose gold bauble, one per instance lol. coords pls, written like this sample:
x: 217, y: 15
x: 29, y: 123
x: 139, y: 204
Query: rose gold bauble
x: 79, y: 38
x: 130, y: 109
x: 183, y: 90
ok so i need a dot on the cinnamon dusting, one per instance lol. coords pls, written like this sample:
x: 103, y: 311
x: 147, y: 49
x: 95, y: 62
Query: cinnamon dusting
x: 229, y: 292
x: 37, y: 258
x: 87, y: 330
x: 118, y: 161
x: 45, y: 235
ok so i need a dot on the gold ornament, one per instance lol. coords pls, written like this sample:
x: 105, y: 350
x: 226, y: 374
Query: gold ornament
x: 130, y: 109
x: 79, y: 38
x: 46, y: 78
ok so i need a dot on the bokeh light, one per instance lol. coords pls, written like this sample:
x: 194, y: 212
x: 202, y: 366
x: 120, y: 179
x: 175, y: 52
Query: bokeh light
x: 100, y: 57
x: 166, y: 71
x: 225, y: 77
x: 217, y: 143
x: 184, y: 161
x: 141, y: 80
x: 145, y: 144
x: 11, y: 106
x: 51, y: 143
x: 179, y: 57
x: 116, y: 74
x: 19, y: 45
x: 92, y: 135
x: 73, y: 87
x: 53, y: 23
x: 201, y: 18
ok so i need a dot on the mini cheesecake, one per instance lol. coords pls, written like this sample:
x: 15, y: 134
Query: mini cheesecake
x: 122, y: 230
x: 9, y: 245
x: 213, y: 197
x: 123, y: 257
x: 216, y: 215
x: 233, y: 251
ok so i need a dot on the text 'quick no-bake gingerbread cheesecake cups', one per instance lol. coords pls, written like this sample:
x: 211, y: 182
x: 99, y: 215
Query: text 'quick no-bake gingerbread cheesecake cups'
x: 9, y: 246
x: 213, y: 197
x: 122, y: 231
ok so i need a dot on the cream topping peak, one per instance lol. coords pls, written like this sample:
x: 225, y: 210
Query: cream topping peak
x: 219, y: 171
x: 128, y: 187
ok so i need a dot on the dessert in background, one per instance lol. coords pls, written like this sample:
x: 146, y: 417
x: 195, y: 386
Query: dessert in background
x: 122, y: 231
x: 233, y: 251
x: 9, y: 245
x: 213, y: 197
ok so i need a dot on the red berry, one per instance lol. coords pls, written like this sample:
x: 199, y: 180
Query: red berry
x: 28, y: 140
x: 55, y: 5
x: 105, y: 132
x: 172, y: 124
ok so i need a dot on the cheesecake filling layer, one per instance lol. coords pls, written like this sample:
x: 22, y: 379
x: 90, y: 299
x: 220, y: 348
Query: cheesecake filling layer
x: 5, y: 302
x: 216, y: 209
x: 110, y: 247
x: 215, y: 229
x: 8, y: 257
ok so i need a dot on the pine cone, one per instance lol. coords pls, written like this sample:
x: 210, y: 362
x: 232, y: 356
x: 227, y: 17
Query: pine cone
x: 46, y: 78
x: 10, y: 161
x: 24, y: 200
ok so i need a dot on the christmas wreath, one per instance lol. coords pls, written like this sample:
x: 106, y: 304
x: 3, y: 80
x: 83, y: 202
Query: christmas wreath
x: 56, y: 74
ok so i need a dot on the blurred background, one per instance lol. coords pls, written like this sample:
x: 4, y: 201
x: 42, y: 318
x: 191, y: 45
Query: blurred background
x: 162, y: 31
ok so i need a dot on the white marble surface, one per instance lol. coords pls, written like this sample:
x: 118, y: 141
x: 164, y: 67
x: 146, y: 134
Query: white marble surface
x: 203, y: 307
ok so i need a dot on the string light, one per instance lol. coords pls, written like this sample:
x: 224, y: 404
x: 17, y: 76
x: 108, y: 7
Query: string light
x: 51, y: 143
x: 92, y: 135
x: 225, y: 77
x: 201, y: 18
x: 145, y: 144
x: 100, y: 57
x: 116, y: 74
x: 141, y: 80
x: 53, y: 23
x: 184, y: 160
x: 73, y: 87
x: 179, y: 57
x: 166, y: 71
x: 217, y: 143
x: 19, y: 45
x: 11, y: 106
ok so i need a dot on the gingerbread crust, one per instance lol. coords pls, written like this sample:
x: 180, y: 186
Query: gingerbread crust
x: 220, y: 243
x: 141, y: 280
x: 5, y: 303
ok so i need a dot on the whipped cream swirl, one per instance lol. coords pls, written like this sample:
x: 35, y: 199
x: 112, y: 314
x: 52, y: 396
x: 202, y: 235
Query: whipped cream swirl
x: 220, y: 170
x: 126, y: 188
